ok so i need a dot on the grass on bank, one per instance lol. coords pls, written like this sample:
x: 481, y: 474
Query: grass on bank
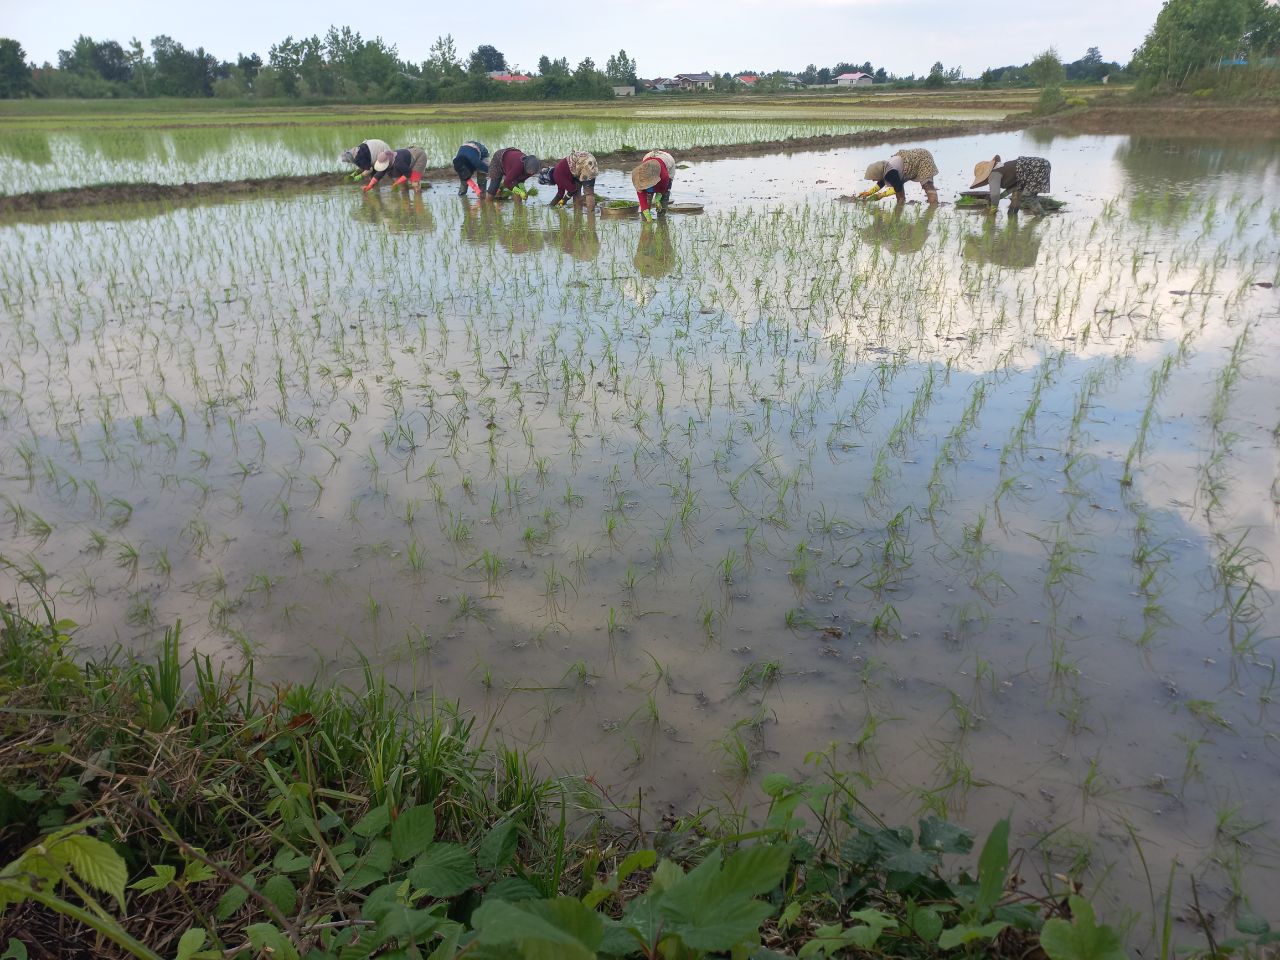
x: 169, y: 808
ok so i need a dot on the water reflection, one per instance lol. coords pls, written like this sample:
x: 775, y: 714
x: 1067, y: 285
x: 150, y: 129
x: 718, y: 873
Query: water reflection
x: 485, y: 221
x: 1015, y: 243
x: 403, y: 211
x: 655, y: 253
x: 898, y: 231
x: 1156, y: 163
x: 576, y: 234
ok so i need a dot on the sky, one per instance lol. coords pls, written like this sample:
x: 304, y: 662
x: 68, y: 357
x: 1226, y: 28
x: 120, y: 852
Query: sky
x: 665, y: 37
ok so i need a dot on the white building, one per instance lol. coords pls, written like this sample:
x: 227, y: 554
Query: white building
x: 855, y: 80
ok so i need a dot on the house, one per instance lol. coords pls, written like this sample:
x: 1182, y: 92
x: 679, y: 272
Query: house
x: 795, y: 83
x: 661, y: 84
x: 624, y: 91
x: 748, y: 80
x: 499, y: 77
x: 695, y: 81
x: 855, y: 80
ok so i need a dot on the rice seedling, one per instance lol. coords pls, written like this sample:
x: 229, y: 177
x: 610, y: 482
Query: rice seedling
x: 613, y: 452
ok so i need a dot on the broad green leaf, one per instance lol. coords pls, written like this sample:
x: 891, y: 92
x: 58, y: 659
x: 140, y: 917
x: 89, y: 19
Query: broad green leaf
x: 234, y: 898
x: 16, y: 950
x: 926, y: 923
x: 95, y: 863
x: 189, y: 943
x: 280, y: 890
x: 445, y: 870
x: 373, y: 823
x: 993, y: 868
x: 542, y: 930
x: 288, y: 860
x: 513, y: 889
x: 498, y: 847
x: 637, y: 860
x: 264, y: 936
x: 158, y: 881
x: 644, y: 920
x: 967, y: 933
x: 1082, y: 938
x: 941, y: 836
x: 710, y: 908
x: 665, y: 874
x: 827, y: 941
x: 412, y: 832
x: 775, y: 784
x: 372, y: 867
x: 379, y: 901
x: 402, y: 922
x: 620, y: 940
x: 755, y: 870
x: 197, y: 871
x: 448, y: 946
x: 790, y: 914
x: 726, y: 926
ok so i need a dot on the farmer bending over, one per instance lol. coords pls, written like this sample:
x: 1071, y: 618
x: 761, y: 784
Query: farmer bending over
x: 1027, y: 177
x: 471, y: 162
x: 362, y: 157
x: 409, y: 163
x: 903, y: 166
x: 509, y: 169
x: 575, y: 174
x: 652, y: 180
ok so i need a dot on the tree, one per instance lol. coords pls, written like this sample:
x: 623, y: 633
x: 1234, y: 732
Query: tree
x: 442, y: 59
x: 1046, y: 69
x: 881, y: 76
x: 181, y: 72
x: 937, y: 76
x: 15, y: 73
x: 141, y: 68
x: 621, y: 70
x: 1193, y: 34
x: 249, y: 66
x: 490, y: 59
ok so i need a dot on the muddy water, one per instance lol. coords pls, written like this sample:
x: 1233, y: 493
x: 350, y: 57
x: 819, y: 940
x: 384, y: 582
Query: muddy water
x: 985, y: 510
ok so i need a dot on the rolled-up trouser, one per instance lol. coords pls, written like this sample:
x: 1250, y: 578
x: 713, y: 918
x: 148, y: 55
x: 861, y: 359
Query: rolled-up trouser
x: 419, y: 164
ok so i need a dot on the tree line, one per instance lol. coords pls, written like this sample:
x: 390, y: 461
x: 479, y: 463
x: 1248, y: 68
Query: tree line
x: 1188, y: 39
x: 340, y: 65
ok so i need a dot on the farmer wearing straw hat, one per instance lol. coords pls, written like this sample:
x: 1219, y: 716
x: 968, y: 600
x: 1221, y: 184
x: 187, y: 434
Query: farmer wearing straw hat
x: 409, y: 164
x: 652, y: 180
x: 363, y: 156
x: 472, y: 161
x: 916, y: 164
x: 509, y: 168
x: 1027, y: 177
x: 575, y: 174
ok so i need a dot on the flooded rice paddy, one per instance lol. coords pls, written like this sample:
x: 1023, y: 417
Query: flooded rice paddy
x: 985, y: 510
x: 41, y: 160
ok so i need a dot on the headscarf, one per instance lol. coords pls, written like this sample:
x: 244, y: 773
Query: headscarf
x: 582, y: 165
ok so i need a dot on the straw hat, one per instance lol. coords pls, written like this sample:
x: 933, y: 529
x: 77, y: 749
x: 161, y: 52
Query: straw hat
x: 877, y: 170
x: 646, y: 175
x: 384, y: 160
x: 982, y: 171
